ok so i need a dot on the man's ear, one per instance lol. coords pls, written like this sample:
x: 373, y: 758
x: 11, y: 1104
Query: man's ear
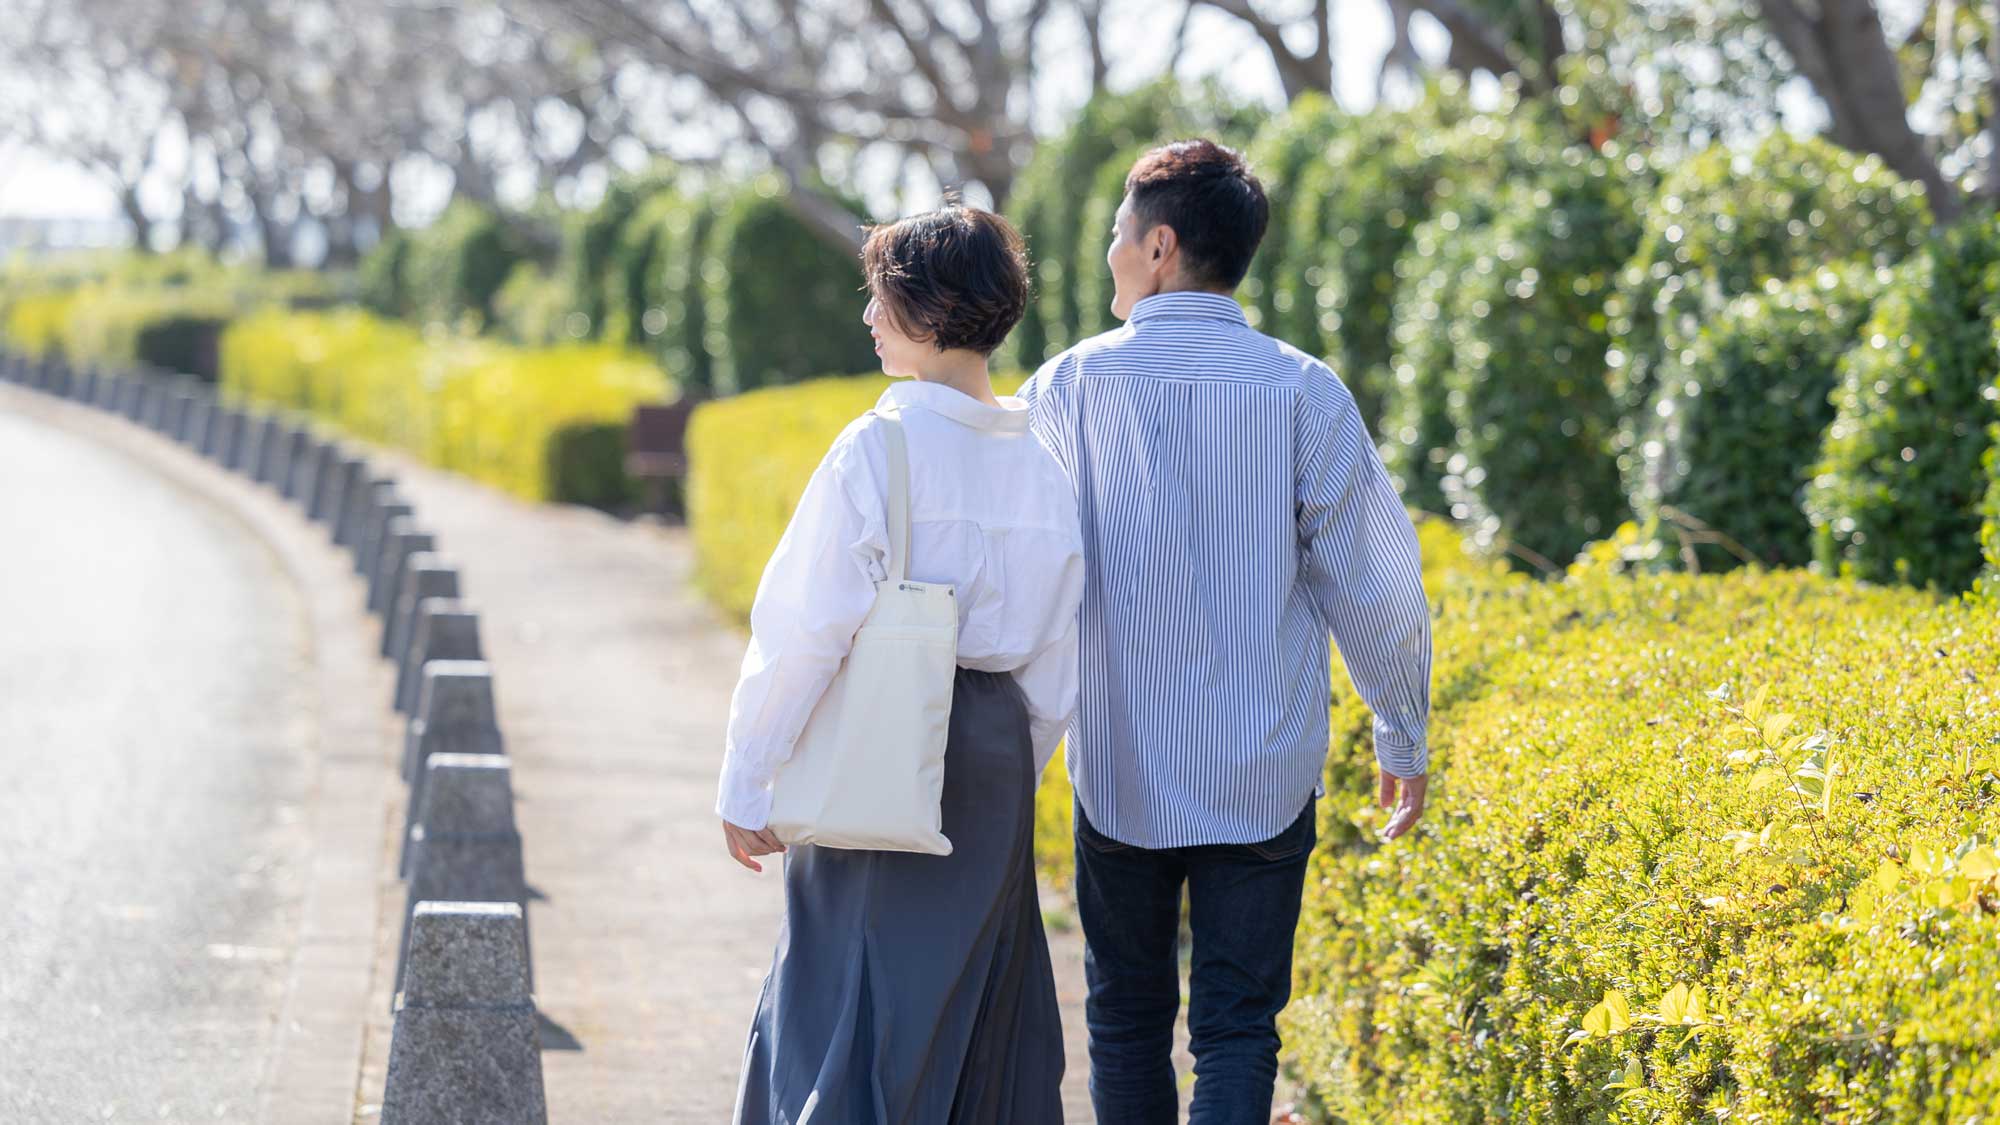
x: 1163, y: 239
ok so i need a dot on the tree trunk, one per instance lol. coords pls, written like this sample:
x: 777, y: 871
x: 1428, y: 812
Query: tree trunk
x: 1840, y: 49
x: 135, y: 214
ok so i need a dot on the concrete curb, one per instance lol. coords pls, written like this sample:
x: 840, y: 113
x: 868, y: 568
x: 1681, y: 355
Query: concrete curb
x: 426, y: 574
x: 464, y: 846
x: 465, y: 1044
x: 444, y: 630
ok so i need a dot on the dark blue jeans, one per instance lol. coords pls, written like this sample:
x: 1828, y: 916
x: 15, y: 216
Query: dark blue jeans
x: 1243, y: 906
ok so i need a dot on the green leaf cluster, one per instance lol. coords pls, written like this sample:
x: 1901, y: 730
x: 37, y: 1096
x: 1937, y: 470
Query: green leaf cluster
x: 1350, y: 213
x: 779, y: 303
x: 454, y: 268
x: 1737, y: 416
x: 1726, y: 220
x: 1898, y: 494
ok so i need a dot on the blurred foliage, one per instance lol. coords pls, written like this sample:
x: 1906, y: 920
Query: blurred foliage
x: 383, y: 270
x: 676, y: 320
x: 164, y: 311
x: 1738, y: 414
x: 780, y: 303
x: 1353, y: 210
x: 1773, y: 808
x: 1726, y: 220
x: 586, y: 465
x: 474, y: 406
x: 1899, y: 493
x: 535, y: 308
x: 1475, y: 160
x: 1279, y: 155
x: 1989, y: 534
x: 1533, y: 417
x: 457, y: 265
x: 594, y: 242
x: 638, y: 257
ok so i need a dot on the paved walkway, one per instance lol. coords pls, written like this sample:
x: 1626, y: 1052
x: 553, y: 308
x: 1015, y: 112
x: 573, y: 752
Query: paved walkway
x: 613, y: 680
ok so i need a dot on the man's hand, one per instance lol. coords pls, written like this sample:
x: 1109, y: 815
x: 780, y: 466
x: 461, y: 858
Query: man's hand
x: 1409, y: 808
x: 744, y: 843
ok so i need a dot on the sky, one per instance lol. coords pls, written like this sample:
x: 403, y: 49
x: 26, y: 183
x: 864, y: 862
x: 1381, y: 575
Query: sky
x: 33, y: 186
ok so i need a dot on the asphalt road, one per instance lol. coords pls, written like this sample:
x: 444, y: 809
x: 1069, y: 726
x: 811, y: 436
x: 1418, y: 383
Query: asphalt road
x: 153, y: 768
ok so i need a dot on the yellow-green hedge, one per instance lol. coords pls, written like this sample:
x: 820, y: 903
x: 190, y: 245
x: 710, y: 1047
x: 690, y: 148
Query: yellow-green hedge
x: 1627, y: 814
x: 750, y: 457
x: 474, y: 406
x: 124, y: 309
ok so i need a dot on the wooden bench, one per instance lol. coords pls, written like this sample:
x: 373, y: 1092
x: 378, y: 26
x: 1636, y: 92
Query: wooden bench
x: 656, y: 456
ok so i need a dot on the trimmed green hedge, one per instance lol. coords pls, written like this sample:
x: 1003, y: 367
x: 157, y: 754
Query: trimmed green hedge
x: 383, y: 272
x: 675, y: 290
x: 586, y: 465
x: 1280, y: 154
x: 1533, y: 418
x: 1723, y: 222
x: 1461, y: 315
x: 522, y: 419
x: 1089, y: 266
x: 597, y: 267
x: 1601, y: 822
x: 644, y: 243
x: 1354, y: 210
x: 1899, y: 493
x: 534, y: 308
x: 456, y: 266
x: 1990, y: 533
x: 1738, y: 414
x: 779, y: 303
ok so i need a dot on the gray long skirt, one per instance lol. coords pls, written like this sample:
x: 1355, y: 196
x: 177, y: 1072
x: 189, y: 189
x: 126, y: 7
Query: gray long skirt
x: 913, y: 989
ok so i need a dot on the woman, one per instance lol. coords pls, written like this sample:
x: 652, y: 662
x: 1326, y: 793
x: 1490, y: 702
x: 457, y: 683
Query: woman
x: 913, y: 989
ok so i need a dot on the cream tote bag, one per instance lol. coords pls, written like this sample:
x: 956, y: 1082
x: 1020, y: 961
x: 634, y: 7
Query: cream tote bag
x: 868, y: 770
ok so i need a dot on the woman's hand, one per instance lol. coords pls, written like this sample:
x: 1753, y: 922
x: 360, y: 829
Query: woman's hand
x: 745, y: 842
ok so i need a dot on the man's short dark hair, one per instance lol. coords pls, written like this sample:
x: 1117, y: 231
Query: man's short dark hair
x: 956, y: 277
x: 1211, y: 199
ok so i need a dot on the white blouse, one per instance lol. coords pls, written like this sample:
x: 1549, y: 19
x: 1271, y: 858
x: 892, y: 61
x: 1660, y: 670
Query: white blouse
x: 991, y: 513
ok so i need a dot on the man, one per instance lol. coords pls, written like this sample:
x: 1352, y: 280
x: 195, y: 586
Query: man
x: 1234, y: 515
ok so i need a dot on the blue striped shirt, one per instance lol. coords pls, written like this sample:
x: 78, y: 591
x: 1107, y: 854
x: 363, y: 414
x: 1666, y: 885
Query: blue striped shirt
x: 1234, y: 515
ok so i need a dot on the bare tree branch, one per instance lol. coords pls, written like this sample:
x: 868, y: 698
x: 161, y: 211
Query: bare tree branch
x: 1298, y: 73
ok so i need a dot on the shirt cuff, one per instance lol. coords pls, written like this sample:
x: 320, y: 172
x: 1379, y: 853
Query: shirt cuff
x: 1399, y: 758
x: 744, y: 801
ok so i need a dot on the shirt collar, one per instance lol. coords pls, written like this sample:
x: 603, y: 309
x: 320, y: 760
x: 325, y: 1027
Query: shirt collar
x: 1188, y: 303
x: 1011, y: 416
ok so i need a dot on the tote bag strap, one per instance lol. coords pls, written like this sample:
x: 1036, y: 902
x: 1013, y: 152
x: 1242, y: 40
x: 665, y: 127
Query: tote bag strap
x: 898, y: 502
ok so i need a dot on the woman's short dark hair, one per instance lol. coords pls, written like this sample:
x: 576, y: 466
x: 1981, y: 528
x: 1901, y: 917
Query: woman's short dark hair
x: 956, y: 277
x: 1211, y: 199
